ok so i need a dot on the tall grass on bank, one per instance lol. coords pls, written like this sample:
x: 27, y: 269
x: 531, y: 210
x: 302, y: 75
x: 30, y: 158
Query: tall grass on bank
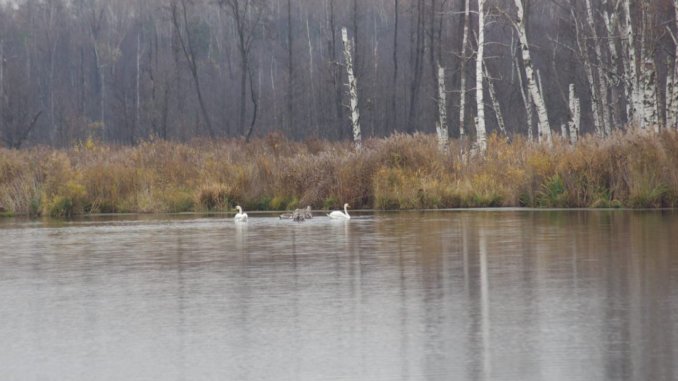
x: 630, y: 169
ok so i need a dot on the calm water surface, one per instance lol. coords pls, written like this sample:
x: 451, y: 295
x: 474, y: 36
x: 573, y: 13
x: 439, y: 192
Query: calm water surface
x: 478, y: 295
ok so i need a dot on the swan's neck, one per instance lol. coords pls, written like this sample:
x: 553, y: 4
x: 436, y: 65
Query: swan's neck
x: 345, y: 210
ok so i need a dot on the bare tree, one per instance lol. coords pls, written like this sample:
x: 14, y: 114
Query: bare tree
x: 352, y: 88
x: 602, y: 82
x: 481, y: 132
x: 441, y: 125
x: 535, y: 93
x: 183, y: 32
x: 462, y: 71
x: 247, y: 15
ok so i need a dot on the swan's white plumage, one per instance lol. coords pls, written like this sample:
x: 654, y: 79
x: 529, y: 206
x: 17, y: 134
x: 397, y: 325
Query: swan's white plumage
x: 339, y: 214
x: 240, y: 216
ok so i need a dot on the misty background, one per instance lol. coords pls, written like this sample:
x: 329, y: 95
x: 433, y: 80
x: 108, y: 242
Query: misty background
x: 122, y: 71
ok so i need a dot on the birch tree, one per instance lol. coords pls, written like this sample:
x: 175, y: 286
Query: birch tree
x: 527, y: 100
x: 602, y: 83
x: 575, y: 116
x: 352, y: 88
x: 462, y: 70
x: 630, y: 61
x: 672, y: 94
x: 649, y: 76
x: 495, y: 101
x: 481, y: 133
x: 441, y: 125
x: 537, y: 97
x: 588, y: 70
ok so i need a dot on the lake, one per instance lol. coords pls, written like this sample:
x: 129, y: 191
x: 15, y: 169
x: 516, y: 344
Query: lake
x: 435, y: 295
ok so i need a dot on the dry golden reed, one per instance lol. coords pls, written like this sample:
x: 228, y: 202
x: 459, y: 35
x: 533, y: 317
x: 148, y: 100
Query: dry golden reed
x: 633, y: 169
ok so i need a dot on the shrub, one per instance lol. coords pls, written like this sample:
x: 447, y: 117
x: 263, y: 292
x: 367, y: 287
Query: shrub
x: 213, y: 197
x: 402, y: 171
x: 70, y: 201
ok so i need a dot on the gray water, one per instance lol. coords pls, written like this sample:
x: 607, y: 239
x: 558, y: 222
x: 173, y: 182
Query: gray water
x: 477, y: 295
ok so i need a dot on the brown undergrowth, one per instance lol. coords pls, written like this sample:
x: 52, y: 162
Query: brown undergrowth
x: 632, y: 169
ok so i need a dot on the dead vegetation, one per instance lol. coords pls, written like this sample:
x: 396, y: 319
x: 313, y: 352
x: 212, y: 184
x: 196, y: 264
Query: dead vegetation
x: 633, y: 169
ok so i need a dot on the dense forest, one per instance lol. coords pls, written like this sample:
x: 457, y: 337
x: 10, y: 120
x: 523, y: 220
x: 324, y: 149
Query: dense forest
x: 124, y: 71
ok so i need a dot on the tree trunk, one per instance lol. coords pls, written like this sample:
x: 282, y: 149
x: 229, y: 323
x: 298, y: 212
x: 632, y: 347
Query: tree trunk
x: 649, y: 74
x: 495, y: 101
x: 612, y: 26
x: 441, y: 126
x: 650, y: 114
x: 672, y: 117
x: 634, y: 108
x: 394, y: 91
x: 187, y: 47
x: 595, y: 102
x: 527, y: 101
x: 575, y: 116
x: 137, y: 117
x: 290, y: 72
x: 2, y: 86
x: 352, y: 89
x: 311, y: 116
x: 336, y: 73
x: 481, y: 133
x: 542, y: 114
x: 462, y: 72
x: 418, y: 67
x: 602, y: 82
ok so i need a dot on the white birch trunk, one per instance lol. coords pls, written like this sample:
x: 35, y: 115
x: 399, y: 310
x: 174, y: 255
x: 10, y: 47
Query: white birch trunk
x: 495, y: 102
x: 542, y: 114
x: 527, y: 101
x: 650, y: 114
x: 670, y: 77
x: 634, y: 109
x: 441, y: 125
x: 588, y: 70
x: 673, y: 111
x: 612, y: 28
x: 352, y: 89
x: 481, y: 133
x: 138, y: 82
x: 462, y: 92
x: 575, y: 116
x: 602, y: 82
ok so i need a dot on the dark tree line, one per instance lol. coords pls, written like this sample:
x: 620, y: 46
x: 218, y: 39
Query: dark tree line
x: 125, y: 70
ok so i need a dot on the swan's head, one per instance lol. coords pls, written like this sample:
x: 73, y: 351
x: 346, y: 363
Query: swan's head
x: 239, y: 208
x: 308, y: 208
x: 346, y: 205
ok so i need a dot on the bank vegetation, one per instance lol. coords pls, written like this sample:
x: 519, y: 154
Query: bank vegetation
x: 628, y: 169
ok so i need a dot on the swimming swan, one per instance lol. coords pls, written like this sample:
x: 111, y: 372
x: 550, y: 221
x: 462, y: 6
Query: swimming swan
x: 240, y: 216
x: 339, y: 214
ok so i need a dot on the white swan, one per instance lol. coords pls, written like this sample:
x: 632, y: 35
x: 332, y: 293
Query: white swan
x: 339, y: 214
x: 240, y: 216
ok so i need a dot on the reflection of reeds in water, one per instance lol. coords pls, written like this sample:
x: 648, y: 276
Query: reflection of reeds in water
x: 400, y: 172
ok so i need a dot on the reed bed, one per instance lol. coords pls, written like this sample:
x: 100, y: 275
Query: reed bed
x: 629, y: 169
